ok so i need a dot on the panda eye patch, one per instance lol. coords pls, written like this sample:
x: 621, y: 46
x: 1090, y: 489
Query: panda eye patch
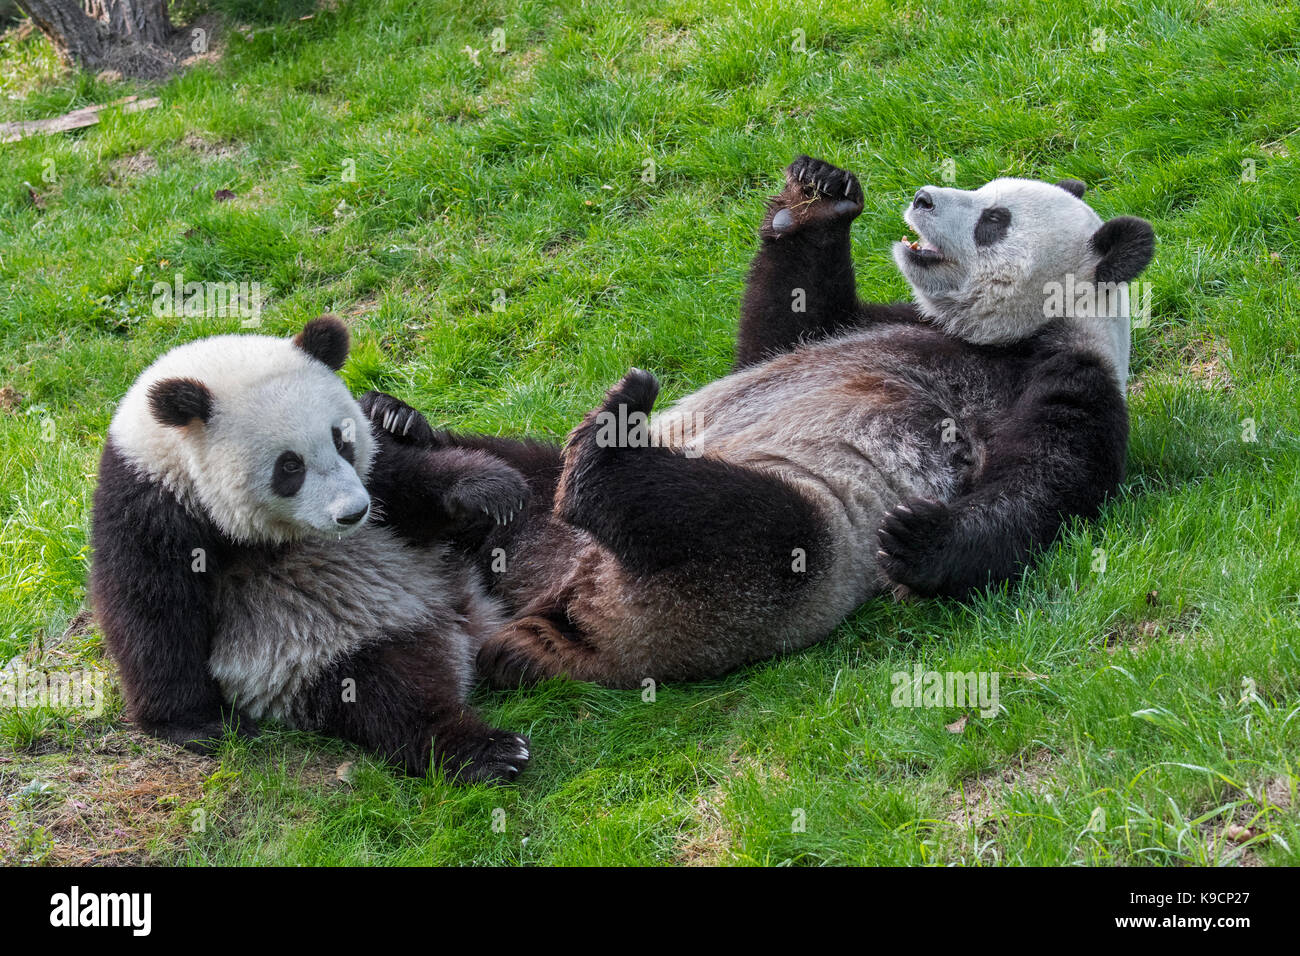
x: 346, y: 449
x: 288, y: 475
x: 992, y: 225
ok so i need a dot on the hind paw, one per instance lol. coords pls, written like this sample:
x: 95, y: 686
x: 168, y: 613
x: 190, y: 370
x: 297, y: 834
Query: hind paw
x: 619, y: 421
x: 497, y: 758
x: 816, y: 193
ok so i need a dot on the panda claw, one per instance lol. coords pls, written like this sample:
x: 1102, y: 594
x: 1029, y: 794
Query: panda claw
x: 410, y: 420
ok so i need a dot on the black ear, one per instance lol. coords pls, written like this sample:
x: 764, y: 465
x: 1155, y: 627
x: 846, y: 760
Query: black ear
x: 178, y: 401
x: 1125, y: 244
x: 325, y: 338
x: 1074, y: 187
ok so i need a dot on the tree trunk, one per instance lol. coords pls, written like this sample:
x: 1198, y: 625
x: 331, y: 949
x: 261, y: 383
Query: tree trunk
x: 129, y: 36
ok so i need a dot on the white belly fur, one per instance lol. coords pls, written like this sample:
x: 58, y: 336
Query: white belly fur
x: 282, y: 620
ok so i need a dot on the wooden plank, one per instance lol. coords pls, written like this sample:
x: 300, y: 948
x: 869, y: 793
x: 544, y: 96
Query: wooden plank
x: 77, y: 119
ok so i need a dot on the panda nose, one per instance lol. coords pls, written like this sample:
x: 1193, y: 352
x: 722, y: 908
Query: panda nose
x: 354, y: 517
x: 922, y: 200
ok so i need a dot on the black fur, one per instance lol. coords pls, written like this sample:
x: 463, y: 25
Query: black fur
x: 1057, y: 445
x: 179, y: 401
x: 1126, y: 245
x: 288, y: 475
x: 657, y: 509
x: 407, y: 709
x: 1056, y: 451
x: 809, y: 264
x: 399, y: 426
x: 992, y: 225
x: 154, y: 605
x: 1074, y: 187
x: 325, y: 338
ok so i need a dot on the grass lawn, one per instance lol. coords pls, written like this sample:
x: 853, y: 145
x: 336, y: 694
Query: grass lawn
x: 501, y: 258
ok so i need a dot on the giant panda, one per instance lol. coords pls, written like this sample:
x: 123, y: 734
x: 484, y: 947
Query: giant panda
x: 261, y: 552
x: 925, y: 448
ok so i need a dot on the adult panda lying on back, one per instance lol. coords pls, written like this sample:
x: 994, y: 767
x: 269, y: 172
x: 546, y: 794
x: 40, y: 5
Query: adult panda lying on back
x: 857, y: 449
x: 259, y: 553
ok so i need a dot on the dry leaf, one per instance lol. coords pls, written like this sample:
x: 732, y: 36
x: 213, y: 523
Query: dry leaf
x: 957, y: 726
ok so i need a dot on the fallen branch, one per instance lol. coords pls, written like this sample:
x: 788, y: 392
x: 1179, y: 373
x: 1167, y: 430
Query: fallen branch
x: 86, y: 116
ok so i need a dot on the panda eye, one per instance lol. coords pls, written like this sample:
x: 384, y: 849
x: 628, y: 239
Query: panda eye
x: 346, y: 449
x: 992, y: 226
x: 289, y: 474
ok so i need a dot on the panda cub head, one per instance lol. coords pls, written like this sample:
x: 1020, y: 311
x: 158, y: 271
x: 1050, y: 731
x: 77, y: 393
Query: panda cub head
x: 258, y: 433
x: 989, y: 261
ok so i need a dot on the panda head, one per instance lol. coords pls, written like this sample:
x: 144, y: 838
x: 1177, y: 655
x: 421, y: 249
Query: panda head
x: 989, y: 261
x: 258, y: 432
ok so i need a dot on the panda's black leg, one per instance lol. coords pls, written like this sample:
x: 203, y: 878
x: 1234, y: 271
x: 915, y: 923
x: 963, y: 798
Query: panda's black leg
x: 801, y: 285
x: 405, y: 702
x: 657, y: 509
x: 151, y: 587
x: 429, y: 492
x: 801, y: 281
x: 538, y: 461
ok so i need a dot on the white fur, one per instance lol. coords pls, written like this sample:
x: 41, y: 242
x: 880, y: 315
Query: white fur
x: 998, y: 294
x: 284, y: 616
x: 269, y: 396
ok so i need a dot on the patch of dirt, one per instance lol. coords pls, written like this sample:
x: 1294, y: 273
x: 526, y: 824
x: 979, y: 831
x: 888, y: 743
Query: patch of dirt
x: 1202, y: 361
x: 708, y: 841
x: 210, y: 151
x: 10, y: 398
x: 364, y: 307
x: 116, y: 800
x: 669, y: 48
x: 1205, y: 362
x: 1136, y: 636
x: 131, y: 167
x: 977, y: 803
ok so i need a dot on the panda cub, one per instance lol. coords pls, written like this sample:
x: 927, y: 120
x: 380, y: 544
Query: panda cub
x: 926, y: 448
x: 259, y: 552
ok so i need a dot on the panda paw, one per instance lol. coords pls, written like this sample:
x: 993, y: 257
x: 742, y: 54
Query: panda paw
x: 497, y: 758
x: 634, y: 394
x: 498, y: 492
x: 396, y: 418
x: 815, y: 193
x: 914, y: 538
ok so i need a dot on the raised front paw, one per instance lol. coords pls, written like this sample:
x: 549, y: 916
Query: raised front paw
x: 396, y: 418
x: 497, y: 758
x: 497, y: 491
x: 816, y: 193
x: 914, y: 537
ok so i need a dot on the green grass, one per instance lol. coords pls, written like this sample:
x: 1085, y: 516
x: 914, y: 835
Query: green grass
x: 524, y: 174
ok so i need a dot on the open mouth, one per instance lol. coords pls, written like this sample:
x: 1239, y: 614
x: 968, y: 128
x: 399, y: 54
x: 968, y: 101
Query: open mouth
x: 922, y: 251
